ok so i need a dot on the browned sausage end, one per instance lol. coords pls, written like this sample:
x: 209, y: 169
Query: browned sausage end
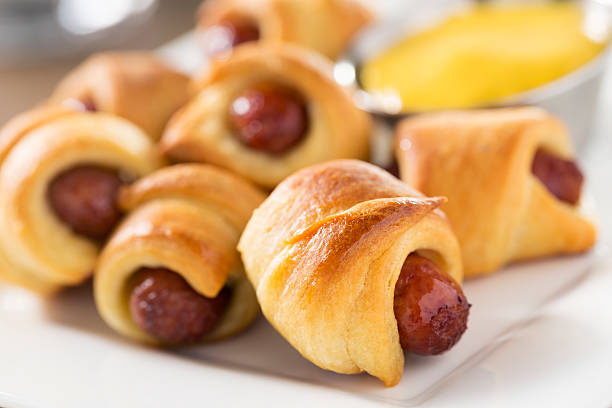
x: 164, y: 305
x: 229, y: 33
x: 269, y: 118
x: 85, y: 198
x: 430, y: 307
x: 561, y: 177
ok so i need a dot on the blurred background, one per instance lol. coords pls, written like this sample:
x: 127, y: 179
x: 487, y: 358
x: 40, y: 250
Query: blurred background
x: 41, y: 40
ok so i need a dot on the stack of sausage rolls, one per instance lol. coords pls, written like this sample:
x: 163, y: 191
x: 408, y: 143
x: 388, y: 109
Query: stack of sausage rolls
x: 157, y: 185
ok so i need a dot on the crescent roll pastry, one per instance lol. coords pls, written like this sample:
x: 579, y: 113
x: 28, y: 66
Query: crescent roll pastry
x: 351, y: 266
x: 266, y: 112
x: 134, y: 85
x: 512, y: 185
x: 171, y: 273
x: 326, y: 26
x: 59, y: 173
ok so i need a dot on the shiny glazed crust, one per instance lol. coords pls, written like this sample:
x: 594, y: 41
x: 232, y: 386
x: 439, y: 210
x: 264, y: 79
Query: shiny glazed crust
x: 134, y: 85
x: 481, y: 161
x: 201, y: 132
x: 37, y: 250
x: 324, y: 252
x: 326, y: 26
x: 186, y: 218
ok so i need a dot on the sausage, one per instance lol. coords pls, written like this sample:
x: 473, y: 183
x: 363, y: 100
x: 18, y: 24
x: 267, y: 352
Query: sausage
x: 89, y: 105
x: 229, y: 33
x: 85, y: 198
x: 269, y: 119
x: 561, y: 177
x: 164, y: 305
x: 430, y: 307
x: 393, y: 168
x: 240, y: 30
x: 85, y: 104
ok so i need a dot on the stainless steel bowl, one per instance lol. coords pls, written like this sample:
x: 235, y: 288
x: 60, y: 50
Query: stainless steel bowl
x: 572, y: 97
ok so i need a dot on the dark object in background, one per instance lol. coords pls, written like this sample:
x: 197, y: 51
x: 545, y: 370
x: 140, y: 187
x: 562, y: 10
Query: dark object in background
x: 31, y: 30
x: 36, y: 48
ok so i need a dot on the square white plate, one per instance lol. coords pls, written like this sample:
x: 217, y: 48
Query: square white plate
x: 58, y: 352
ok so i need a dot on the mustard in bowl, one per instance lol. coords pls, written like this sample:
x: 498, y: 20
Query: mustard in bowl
x: 485, y: 54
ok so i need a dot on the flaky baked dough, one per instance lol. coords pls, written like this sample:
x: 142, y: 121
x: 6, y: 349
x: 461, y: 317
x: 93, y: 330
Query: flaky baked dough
x: 186, y: 218
x: 325, y: 26
x: 201, y: 132
x: 37, y: 250
x: 481, y: 161
x: 324, y: 252
x: 134, y: 85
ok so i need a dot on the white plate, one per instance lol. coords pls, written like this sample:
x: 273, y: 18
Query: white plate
x: 57, y: 352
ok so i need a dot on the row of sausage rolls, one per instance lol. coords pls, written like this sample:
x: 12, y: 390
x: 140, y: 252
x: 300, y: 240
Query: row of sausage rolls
x: 170, y: 273
x: 96, y: 136
x: 349, y: 232
x: 63, y: 163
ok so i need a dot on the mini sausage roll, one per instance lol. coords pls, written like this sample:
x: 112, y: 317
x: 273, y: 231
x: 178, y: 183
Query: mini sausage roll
x: 266, y: 112
x: 351, y: 266
x: 59, y: 174
x: 512, y: 184
x: 134, y: 85
x: 326, y: 26
x: 171, y: 273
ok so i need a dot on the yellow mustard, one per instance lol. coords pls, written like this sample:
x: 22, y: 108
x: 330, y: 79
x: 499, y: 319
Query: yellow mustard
x: 482, y: 55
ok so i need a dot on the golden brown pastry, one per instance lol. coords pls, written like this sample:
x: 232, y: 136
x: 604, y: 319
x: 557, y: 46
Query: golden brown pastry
x: 351, y: 266
x: 512, y: 184
x: 59, y: 174
x: 326, y: 26
x: 171, y: 274
x: 266, y: 112
x: 134, y: 85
